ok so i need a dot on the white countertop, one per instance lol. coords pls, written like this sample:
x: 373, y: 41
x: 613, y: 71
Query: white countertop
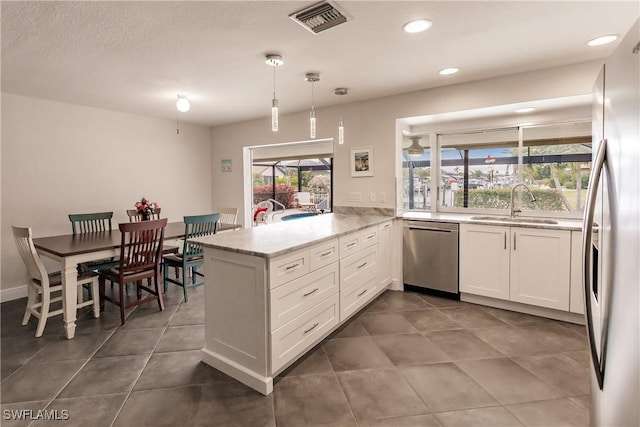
x: 276, y: 239
x: 563, y: 223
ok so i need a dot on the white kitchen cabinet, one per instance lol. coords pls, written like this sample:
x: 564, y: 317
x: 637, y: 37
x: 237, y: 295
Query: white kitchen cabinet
x: 520, y: 264
x: 384, y: 254
x: 540, y: 267
x: 484, y: 260
x: 576, y: 294
x: 264, y: 312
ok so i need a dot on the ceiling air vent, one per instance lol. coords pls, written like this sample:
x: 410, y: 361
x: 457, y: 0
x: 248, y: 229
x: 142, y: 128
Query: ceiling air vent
x: 320, y: 16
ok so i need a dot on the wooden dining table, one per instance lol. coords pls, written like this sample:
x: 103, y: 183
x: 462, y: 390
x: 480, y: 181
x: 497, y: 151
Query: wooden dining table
x: 73, y: 249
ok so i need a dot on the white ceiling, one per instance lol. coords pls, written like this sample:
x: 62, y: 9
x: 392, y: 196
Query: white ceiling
x: 135, y: 57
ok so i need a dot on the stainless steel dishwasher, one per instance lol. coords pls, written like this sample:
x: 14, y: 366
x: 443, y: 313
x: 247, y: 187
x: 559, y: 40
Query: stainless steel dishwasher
x: 430, y: 257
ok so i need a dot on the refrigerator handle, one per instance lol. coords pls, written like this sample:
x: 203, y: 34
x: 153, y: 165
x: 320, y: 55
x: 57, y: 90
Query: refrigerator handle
x: 587, y: 227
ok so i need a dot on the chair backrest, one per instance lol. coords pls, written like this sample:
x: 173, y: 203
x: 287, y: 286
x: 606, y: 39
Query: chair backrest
x: 198, y: 226
x: 27, y: 251
x: 135, y: 216
x: 228, y: 215
x: 266, y: 204
x: 141, y: 245
x: 87, y: 223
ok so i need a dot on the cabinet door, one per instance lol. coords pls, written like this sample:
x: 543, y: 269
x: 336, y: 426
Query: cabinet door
x: 576, y: 292
x: 540, y: 267
x: 384, y: 254
x: 484, y: 260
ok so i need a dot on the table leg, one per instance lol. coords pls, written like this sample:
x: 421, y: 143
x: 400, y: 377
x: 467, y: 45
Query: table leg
x: 70, y: 298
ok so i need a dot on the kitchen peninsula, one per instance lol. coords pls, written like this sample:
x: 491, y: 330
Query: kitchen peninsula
x: 273, y: 292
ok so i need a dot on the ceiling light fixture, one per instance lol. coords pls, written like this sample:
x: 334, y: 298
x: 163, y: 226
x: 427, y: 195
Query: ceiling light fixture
x: 525, y: 110
x: 415, y: 149
x: 599, y: 41
x: 341, y: 91
x: 447, y: 71
x: 312, y: 77
x: 183, y: 105
x: 417, y: 26
x: 274, y: 61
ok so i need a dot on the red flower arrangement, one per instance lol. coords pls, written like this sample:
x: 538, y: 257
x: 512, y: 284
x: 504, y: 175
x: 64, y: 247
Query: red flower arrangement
x: 145, y: 207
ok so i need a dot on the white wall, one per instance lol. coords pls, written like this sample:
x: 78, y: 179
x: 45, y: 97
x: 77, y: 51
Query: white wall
x: 373, y: 123
x: 60, y: 158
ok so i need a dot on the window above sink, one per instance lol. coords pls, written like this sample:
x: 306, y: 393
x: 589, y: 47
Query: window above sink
x: 473, y: 171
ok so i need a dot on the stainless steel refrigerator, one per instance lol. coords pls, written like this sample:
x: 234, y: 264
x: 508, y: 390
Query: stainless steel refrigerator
x: 611, y: 240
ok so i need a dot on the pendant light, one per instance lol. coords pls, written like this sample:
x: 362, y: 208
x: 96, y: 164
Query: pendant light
x: 274, y: 61
x: 182, y: 105
x: 312, y: 77
x: 340, y: 91
x: 415, y: 149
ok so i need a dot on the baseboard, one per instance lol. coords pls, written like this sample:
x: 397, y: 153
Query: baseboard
x: 564, y: 316
x: 13, y: 293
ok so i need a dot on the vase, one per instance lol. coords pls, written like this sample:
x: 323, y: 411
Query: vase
x: 146, y: 217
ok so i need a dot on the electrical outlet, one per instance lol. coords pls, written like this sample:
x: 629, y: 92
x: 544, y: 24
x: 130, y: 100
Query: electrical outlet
x: 383, y: 197
x: 372, y: 196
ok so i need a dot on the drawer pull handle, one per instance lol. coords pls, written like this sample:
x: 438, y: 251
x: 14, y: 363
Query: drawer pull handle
x: 293, y: 266
x: 362, y: 293
x: 387, y: 225
x: 326, y: 253
x: 311, y: 292
x: 362, y: 265
x: 352, y: 244
x: 371, y: 236
x: 315, y: 325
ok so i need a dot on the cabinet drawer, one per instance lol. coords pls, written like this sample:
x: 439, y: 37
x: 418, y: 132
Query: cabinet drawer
x: 357, y: 265
x: 354, y: 242
x: 294, y: 298
x: 323, y: 254
x: 285, y: 268
x: 303, y: 332
x: 357, y: 295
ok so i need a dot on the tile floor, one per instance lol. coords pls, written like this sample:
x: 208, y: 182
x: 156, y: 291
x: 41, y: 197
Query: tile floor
x: 408, y: 359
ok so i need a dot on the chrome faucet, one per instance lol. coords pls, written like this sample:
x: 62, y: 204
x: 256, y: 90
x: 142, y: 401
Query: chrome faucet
x: 513, y: 211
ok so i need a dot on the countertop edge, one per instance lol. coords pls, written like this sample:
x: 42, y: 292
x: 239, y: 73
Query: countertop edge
x: 563, y: 223
x: 364, y: 221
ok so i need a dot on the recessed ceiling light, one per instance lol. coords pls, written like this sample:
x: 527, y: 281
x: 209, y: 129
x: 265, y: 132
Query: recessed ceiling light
x: 417, y: 26
x: 447, y: 71
x: 525, y: 110
x: 603, y: 40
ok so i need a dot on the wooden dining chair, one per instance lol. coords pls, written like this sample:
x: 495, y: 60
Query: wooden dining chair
x: 228, y: 215
x: 90, y: 222
x: 42, y: 285
x: 191, y: 257
x: 140, y: 257
x: 135, y: 216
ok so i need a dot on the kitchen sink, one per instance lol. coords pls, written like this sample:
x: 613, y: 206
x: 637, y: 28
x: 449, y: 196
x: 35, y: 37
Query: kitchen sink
x: 517, y: 219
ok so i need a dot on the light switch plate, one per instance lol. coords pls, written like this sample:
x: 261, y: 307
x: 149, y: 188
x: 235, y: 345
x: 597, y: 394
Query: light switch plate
x: 383, y: 197
x: 372, y: 196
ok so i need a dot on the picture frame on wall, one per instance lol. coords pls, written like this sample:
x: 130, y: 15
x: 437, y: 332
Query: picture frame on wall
x: 361, y: 162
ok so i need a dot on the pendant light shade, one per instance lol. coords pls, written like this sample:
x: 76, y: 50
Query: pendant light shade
x: 274, y: 61
x: 312, y: 78
x: 415, y: 149
x: 341, y: 91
